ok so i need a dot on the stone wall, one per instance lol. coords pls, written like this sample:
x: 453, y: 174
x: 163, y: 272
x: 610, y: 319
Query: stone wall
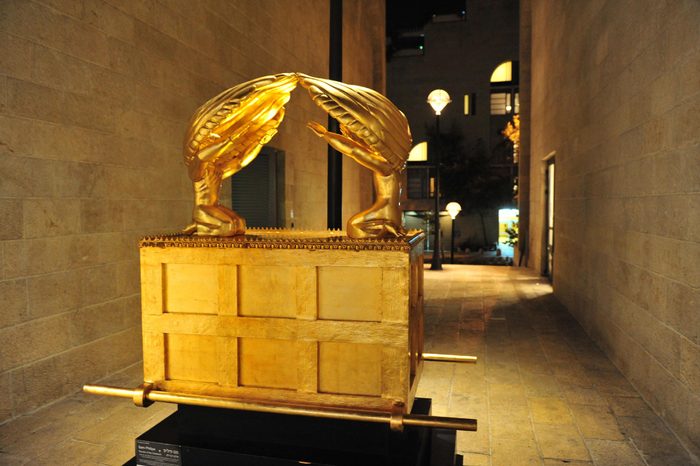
x: 95, y: 96
x: 363, y: 51
x: 616, y: 94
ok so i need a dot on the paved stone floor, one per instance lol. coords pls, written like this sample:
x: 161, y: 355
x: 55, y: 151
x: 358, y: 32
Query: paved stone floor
x: 542, y: 391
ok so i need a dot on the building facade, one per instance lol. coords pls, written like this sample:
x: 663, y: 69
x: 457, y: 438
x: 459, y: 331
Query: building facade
x: 611, y: 106
x: 459, y: 53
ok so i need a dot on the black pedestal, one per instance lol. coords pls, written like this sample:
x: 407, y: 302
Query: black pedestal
x: 207, y: 436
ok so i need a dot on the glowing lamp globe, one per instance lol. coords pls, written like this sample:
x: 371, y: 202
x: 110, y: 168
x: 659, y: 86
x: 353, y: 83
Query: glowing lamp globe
x: 438, y: 99
x: 453, y: 208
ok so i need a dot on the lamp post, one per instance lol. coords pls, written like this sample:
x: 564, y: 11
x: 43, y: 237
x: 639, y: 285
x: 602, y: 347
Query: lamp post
x: 438, y: 100
x: 453, y: 208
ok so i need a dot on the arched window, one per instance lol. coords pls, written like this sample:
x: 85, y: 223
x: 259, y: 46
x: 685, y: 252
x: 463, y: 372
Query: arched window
x: 503, y: 73
x: 505, y: 99
x: 419, y: 153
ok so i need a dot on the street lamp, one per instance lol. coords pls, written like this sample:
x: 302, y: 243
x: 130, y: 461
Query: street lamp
x: 438, y: 99
x: 453, y: 208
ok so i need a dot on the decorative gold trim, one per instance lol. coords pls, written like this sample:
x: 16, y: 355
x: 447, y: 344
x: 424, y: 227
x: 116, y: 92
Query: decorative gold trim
x: 286, y: 239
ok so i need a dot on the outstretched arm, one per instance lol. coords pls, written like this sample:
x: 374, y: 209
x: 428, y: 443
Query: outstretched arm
x: 352, y: 149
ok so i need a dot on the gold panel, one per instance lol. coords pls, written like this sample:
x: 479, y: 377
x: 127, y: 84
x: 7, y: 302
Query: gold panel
x: 191, y: 357
x: 190, y: 288
x: 350, y: 368
x: 242, y: 317
x: 266, y: 291
x: 350, y: 293
x: 267, y: 363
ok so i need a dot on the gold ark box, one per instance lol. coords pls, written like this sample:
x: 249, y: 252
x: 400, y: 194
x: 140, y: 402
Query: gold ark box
x: 281, y: 316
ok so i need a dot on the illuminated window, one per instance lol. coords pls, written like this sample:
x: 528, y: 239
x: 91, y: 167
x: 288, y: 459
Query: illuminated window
x: 503, y: 73
x: 469, y: 104
x: 499, y: 103
x: 505, y: 102
x: 419, y: 153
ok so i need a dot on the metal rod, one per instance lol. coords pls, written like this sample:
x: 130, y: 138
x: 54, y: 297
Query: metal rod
x: 328, y: 413
x: 452, y: 243
x: 436, y: 262
x: 420, y: 420
x: 448, y: 357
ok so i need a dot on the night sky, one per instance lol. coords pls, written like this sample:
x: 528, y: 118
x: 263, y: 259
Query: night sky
x: 411, y: 14
x: 406, y: 15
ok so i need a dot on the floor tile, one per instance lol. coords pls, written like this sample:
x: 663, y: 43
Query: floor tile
x: 549, y: 411
x: 613, y: 453
x: 561, y: 441
x: 596, y: 422
x: 505, y: 452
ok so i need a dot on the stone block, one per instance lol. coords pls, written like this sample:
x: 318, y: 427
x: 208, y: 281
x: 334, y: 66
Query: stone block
x: 34, y: 101
x: 694, y: 425
x: 681, y: 310
x: 14, y: 302
x: 57, y: 70
x: 3, y: 94
x: 33, y: 340
x: 504, y: 451
x: 112, y: 21
x: 100, y: 249
x: 681, y: 118
x: 654, y: 441
x: 71, y: 452
x: 671, y: 219
x: 32, y: 257
x: 561, y: 441
x: 611, y: 383
x: 11, y: 218
x: 690, y: 365
x: 100, y: 217
x: 618, y: 453
x: 580, y: 395
x: 128, y: 278
x: 6, y: 408
x: 53, y: 293
x: 547, y: 410
x: 20, y: 173
x: 688, y: 268
x: 16, y: 56
x: 596, y: 422
x: 37, y: 384
x: 514, y: 426
x: 630, y: 406
x: 668, y: 396
x: 98, y: 321
x: 98, y: 284
x: 51, y: 217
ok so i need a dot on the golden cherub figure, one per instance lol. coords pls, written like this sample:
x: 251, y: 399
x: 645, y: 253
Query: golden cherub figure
x: 376, y: 135
x: 225, y: 135
x: 229, y: 130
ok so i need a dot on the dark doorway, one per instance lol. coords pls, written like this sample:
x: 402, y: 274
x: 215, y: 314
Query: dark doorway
x: 257, y: 191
